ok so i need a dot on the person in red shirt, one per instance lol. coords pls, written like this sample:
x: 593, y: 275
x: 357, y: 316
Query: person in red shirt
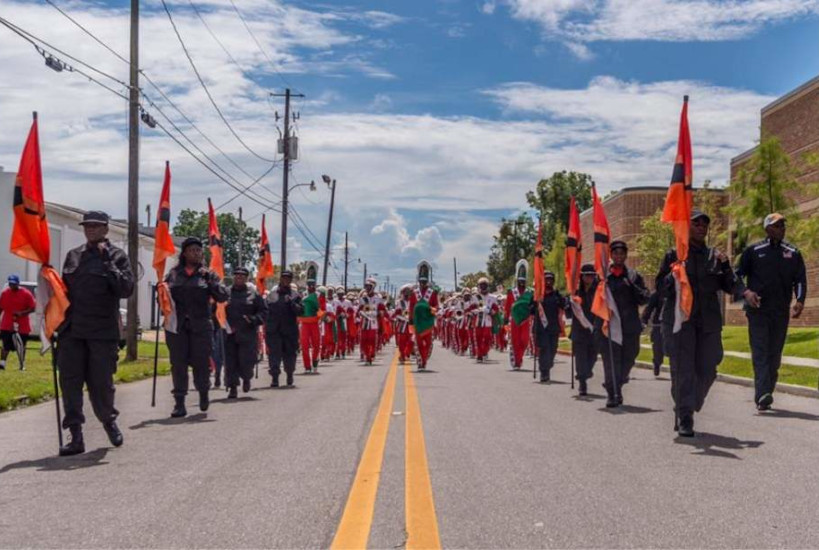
x: 16, y: 303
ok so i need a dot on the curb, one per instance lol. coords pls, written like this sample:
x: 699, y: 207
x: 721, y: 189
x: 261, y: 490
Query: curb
x: 801, y: 391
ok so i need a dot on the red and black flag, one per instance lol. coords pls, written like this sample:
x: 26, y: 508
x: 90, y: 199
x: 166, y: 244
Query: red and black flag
x: 574, y: 248
x: 677, y: 211
x: 164, y: 249
x: 217, y: 264
x: 604, y: 305
x: 30, y: 238
x: 266, y: 269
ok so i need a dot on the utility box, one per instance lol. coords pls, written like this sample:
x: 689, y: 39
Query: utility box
x: 293, y: 152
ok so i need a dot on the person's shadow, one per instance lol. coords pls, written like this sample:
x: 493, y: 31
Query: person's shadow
x: 199, y: 418
x: 708, y: 444
x: 782, y: 413
x: 629, y: 409
x: 61, y: 463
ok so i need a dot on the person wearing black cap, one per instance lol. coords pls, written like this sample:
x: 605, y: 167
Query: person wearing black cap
x: 695, y: 349
x: 281, y: 328
x: 629, y: 291
x: 583, y: 345
x: 192, y: 287
x: 651, y: 316
x: 548, y: 320
x: 245, y: 313
x: 774, y: 272
x: 98, y: 275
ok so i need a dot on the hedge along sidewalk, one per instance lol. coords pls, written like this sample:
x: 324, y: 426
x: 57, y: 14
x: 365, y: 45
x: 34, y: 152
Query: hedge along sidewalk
x: 35, y: 384
x: 734, y: 370
x: 786, y: 359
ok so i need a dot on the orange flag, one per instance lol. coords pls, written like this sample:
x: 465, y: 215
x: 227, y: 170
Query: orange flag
x: 604, y: 305
x: 217, y: 264
x: 539, y: 269
x: 266, y: 269
x: 163, y: 243
x: 30, y: 238
x: 677, y: 212
x: 573, y: 250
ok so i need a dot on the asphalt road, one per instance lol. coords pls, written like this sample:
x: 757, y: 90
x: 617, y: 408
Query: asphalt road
x: 511, y: 463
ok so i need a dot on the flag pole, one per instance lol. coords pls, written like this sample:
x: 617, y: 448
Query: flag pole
x: 156, y: 350
x: 56, y: 385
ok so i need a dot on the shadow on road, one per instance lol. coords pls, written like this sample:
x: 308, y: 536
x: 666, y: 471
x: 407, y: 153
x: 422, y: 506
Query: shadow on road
x: 629, y: 409
x: 234, y: 400
x: 782, y: 413
x: 199, y: 418
x: 588, y: 398
x: 425, y: 371
x: 61, y: 464
x: 708, y: 444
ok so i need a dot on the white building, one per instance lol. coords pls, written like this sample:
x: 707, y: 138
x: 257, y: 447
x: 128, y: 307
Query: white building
x: 66, y: 233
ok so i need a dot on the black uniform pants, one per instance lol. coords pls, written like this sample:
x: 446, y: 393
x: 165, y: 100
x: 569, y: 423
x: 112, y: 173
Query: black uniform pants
x: 657, y: 345
x: 282, y: 349
x: 91, y: 363
x: 767, y: 331
x: 546, y: 351
x: 622, y: 356
x: 585, y: 356
x: 189, y: 349
x: 240, y: 358
x: 694, y: 356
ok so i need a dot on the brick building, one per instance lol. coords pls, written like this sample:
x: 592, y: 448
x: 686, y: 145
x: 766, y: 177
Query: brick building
x: 794, y: 119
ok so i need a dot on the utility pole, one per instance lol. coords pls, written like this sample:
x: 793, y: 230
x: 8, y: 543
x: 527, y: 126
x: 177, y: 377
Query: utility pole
x: 455, y: 272
x: 133, y: 181
x: 346, y: 261
x: 286, y: 172
x: 329, y: 228
x: 365, y: 276
x: 148, y: 212
x: 241, y: 236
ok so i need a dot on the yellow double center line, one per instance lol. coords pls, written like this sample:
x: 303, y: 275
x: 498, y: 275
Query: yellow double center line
x: 421, y: 522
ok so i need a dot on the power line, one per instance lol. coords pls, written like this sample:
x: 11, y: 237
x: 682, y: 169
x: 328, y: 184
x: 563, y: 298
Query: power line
x: 213, y: 35
x: 205, y: 87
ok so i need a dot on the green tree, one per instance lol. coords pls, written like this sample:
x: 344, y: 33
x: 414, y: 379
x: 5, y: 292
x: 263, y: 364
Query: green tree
x: 551, y: 199
x: 191, y: 223
x: 555, y: 260
x: 708, y: 200
x: 655, y: 239
x: 471, y: 279
x: 509, y: 247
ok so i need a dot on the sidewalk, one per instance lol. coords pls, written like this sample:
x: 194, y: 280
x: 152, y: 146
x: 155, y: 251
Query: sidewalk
x: 786, y: 359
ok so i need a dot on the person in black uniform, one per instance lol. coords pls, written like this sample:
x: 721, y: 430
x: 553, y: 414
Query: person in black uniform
x: 548, y: 333
x: 192, y: 287
x: 98, y: 275
x: 651, y: 316
x: 696, y: 349
x: 774, y: 273
x: 583, y: 344
x: 629, y: 292
x: 281, y: 328
x: 245, y: 314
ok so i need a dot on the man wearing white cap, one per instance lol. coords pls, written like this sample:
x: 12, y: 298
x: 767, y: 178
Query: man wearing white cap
x: 774, y: 274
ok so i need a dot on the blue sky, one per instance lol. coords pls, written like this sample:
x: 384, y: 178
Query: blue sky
x: 434, y: 116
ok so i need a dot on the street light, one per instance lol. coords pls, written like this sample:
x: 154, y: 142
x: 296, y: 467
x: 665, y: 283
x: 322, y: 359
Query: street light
x: 331, y: 183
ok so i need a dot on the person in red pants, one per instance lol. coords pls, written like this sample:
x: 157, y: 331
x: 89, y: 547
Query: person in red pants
x: 423, y: 306
x: 309, y: 321
x: 370, y: 310
x: 403, y: 336
x: 516, y: 313
x: 485, y: 306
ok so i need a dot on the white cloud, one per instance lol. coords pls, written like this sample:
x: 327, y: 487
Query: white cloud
x: 381, y: 103
x: 667, y: 20
x: 581, y: 51
x: 488, y: 7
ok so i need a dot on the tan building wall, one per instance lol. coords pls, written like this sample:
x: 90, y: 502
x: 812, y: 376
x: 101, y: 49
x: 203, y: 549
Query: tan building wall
x: 794, y: 119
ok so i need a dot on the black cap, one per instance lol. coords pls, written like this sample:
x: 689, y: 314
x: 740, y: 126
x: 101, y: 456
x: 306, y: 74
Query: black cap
x: 287, y: 273
x: 618, y: 244
x: 548, y: 275
x: 191, y: 241
x: 241, y: 271
x: 697, y: 214
x: 588, y: 269
x: 95, y: 216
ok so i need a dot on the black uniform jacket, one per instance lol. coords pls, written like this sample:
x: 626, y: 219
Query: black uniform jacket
x: 630, y: 292
x: 552, y: 304
x: 192, y: 295
x: 707, y: 276
x: 246, y: 312
x: 774, y: 271
x: 96, y: 282
x: 652, y: 312
x: 579, y: 332
x: 283, y: 308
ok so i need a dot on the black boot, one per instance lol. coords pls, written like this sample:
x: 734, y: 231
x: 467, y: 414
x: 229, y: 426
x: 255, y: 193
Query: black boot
x: 76, y: 445
x: 204, y: 400
x: 246, y: 385
x: 656, y: 370
x: 275, y: 382
x: 232, y: 393
x: 217, y: 381
x: 687, y: 426
x: 179, y: 407
x: 584, y: 389
x: 611, y: 401
x: 290, y: 379
x: 114, y: 434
